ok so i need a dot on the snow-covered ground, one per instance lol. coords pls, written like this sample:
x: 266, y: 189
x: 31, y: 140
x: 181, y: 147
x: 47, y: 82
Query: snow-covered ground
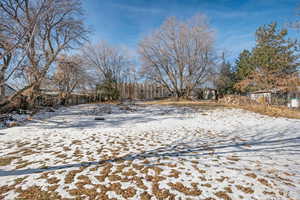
x: 151, y: 152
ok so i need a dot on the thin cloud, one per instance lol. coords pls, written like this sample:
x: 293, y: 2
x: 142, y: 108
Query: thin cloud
x: 137, y: 9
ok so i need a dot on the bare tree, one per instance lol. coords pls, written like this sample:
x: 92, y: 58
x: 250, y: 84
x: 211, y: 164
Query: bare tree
x: 4, y: 63
x: 110, y: 63
x: 70, y: 75
x: 11, y: 39
x: 50, y: 27
x: 179, y: 54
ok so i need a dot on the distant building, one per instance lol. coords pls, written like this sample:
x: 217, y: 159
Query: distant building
x: 266, y: 94
x: 276, y: 96
x: 205, y: 93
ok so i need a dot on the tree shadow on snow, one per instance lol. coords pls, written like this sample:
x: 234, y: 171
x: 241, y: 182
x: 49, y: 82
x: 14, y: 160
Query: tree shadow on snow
x: 254, y: 146
x: 117, y: 118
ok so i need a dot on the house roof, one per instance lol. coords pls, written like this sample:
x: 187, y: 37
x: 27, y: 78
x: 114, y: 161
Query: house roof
x: 265, y: 91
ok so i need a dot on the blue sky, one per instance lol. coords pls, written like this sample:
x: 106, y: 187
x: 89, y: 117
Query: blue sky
x: 125, y: 22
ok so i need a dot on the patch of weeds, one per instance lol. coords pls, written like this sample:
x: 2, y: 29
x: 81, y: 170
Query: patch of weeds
x: 194, y: 191
x: 94, y: 168
x: 206, y: 185
x: 76, y: 142
x: 128, y: 192
x: 145, y: 196
x: 27, y: 152
x: 155, y: 178
x: 77, y: 153
x: 264, y: 182
x: 290, y: 184
x: 171, y: 165
x: 4, y: 161
x: 161, y: 193
x: 269, y: 193
x: 116, y: 187
x: 24, y: 164
x: 52, y: 188
x: 252, y: 175
x: 114, y: 177
x: 233, y: 158
x: 62, y: 156
x: 44, y: 175
x: 53, y: 180
x: 228, y: 189
x: 201, y: 171
x: 223, y: 195
x: 157, y: 170
x: 138, y: 181
x: 44, y: 166
x: 246, y: 190
x: 174, y: 174
x: 36, y: 193
x: 20, y: 180
x: 137, y: 167
x: 65, y: 148
x: 21, y: 144
x: 69, y: 178
x: 130, y: 172
x: 222, y: 178
x: 202, y: 178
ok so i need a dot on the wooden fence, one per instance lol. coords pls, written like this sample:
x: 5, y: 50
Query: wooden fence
x: 142, y: 91
x: 133, y: 91
x: 74, y: 99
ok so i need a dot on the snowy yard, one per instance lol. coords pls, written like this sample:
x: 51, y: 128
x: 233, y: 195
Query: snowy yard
x: 151, y: 152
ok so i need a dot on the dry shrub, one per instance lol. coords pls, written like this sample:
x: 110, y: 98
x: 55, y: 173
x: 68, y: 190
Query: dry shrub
x: 237, y: 100
x: 260, y: 106
x: 273, y: 111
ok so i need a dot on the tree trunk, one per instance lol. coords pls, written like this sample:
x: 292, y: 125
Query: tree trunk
x: 6, y: 60
x: 2, y: 86
x: 34, y: 93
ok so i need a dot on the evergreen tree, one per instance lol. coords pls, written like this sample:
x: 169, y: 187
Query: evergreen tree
x: 243, y: 65
x: 226, y: 79
x: 273, y: 52
x: 272, y: 62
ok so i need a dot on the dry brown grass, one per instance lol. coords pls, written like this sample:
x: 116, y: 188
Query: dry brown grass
x: 222, y: 195
x: 252, y: 175
x: 246, y: 190
x: 36, y: 193
x: 6, y: 160
x: 194, y: 191
x: 273, y: 111
x: 182, y: 103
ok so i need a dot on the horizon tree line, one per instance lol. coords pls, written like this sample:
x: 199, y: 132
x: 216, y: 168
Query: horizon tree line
x: 45, y: 44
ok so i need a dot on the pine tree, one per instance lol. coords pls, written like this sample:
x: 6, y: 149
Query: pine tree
x: 273, y: 52
x: 273, y: 62
x: 243, y: 65
x: 226, y: 79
